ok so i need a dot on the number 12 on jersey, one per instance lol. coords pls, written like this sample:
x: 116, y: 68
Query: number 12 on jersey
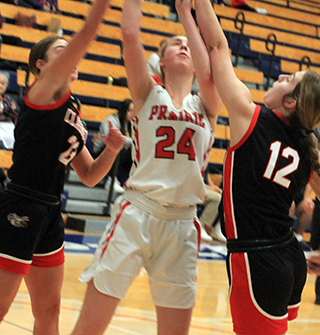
x: 280, y: 175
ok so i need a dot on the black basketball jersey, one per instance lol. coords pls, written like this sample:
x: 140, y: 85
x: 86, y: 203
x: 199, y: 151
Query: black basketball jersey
x: 47, y: 138
x: 262, y: 174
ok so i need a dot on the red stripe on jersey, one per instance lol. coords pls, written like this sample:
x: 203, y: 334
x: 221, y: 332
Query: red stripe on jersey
x: 227, y: 196
x: 250, y: 129
x: 230, y: 223
x: 49, y: 261
x: 136, y: 132
x: 14, y: 266
x: 114, y: 227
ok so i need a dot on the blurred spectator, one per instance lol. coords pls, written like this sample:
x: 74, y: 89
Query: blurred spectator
x: 302, y: 209
x: 12, y: 40
x: 209, y: 218
x: 25, y: 20
x: 9, y: 109
x: 8, y: 39
x: 121, y: 120
x: 242, y: 4
x: 50, y: 6
x: 55, y: 26
x: 220, y: 2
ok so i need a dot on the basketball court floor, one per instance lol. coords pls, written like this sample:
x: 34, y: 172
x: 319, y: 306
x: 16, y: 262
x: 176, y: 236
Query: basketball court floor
x: 136, y: 314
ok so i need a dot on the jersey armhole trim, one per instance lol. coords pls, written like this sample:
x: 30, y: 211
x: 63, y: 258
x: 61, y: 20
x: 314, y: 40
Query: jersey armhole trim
x: 249, y: 130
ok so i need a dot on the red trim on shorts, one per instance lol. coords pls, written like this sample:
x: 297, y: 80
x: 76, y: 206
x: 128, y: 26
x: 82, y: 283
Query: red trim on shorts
x: 114, y: 227
x: 293, y: 312
x: 197, y: 225
x: 247, y: 319
x: 49, y: 261
x: 14, y: 266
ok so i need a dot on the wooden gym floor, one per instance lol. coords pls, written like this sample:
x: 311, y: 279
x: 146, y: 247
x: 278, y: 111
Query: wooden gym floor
x: 136, y: 314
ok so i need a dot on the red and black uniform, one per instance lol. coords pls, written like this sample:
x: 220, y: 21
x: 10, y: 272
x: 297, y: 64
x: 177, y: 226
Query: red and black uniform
x: 266, y: 266
x: 47, y: 138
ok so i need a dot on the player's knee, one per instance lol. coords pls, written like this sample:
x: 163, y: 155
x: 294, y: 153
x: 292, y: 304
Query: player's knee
x: 49, y: 312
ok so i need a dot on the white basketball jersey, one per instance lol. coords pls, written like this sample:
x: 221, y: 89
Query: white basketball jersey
x: 170, y: 150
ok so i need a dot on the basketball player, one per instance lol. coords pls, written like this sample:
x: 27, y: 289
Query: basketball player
x: 272, y: 155
x: 49, y: 136
x: 154, y: 221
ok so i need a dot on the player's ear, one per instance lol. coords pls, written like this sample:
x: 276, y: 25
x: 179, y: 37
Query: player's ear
x: 289, y: 103
x: 40, y: 63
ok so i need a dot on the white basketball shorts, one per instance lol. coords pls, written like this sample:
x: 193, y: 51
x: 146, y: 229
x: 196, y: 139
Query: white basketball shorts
x: 165, y: 240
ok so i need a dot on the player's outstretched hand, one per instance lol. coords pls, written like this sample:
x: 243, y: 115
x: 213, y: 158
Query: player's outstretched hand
x: 114, y: 140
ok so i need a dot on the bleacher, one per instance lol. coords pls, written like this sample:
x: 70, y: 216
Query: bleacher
x: 294, y: 23
x: 292, y: 35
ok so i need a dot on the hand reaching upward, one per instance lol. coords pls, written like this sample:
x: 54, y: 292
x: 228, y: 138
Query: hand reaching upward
x: 114, y: 140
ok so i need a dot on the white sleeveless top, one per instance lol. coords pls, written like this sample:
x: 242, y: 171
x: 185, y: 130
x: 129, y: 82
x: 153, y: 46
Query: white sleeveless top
x: 170, y: 150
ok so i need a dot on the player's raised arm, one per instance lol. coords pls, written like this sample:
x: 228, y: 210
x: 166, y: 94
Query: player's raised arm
x: 201, y: 60
x: 234, y: 94
x: 139, y: 80
x: 54, y: 77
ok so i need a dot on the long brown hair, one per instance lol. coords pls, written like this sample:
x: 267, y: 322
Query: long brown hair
x: 39, y: 51
x: 306, y: 116
x: 122, y: 113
